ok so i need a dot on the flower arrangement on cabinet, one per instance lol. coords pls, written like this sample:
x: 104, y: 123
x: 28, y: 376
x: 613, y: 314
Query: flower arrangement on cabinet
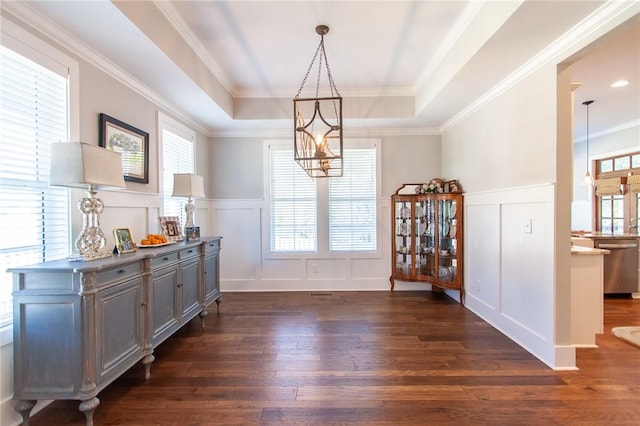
x: 435, y: 186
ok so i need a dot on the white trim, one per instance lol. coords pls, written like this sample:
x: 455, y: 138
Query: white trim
x: 174, y: 18
x: 463, y: 21
x: 34, y: 19
x: 323, y: 244
x: 610, y: 131
x: 611, y: 12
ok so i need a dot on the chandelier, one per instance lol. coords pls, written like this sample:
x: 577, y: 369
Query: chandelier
x: 317, y: 122
x: 587, y: 179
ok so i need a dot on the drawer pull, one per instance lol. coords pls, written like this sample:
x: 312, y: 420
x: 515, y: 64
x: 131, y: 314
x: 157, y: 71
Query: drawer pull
x: 165, y: 258
x: 121, y: 271
x: 190, y: 251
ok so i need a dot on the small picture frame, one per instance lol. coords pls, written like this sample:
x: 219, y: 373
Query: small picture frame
x: 124, y: 240
x: 171, y: 228
x: 192, y: 232
x: 452, y: 186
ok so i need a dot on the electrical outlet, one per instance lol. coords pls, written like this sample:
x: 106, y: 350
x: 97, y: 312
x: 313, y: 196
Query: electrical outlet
x: 314, y: 268
x: 527, y: 227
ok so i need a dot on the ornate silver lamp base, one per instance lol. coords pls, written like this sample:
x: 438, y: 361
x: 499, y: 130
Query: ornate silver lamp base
x: 91, y: 243
x: 189, y: 208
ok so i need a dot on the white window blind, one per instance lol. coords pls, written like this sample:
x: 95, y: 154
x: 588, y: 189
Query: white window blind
x: 177, y: 157
x: 352, y: 203
x: 34, y: 112
x: 293, y: 205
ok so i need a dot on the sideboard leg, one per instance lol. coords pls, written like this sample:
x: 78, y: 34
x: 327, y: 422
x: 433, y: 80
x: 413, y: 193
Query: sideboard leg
x: 24, y: 407
x: 146, y: 361
x: 88, y: 407
x: 202, y: 315
x: 218, y: 301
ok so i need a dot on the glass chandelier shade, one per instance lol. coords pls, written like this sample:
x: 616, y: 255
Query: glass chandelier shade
x: 318, y: 140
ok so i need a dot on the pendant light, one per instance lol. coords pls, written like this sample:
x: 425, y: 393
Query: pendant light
x: 317, y: 122
x: 587, y: 179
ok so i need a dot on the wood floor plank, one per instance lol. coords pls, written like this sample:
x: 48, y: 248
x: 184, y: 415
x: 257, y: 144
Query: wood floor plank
x: 366, y: 358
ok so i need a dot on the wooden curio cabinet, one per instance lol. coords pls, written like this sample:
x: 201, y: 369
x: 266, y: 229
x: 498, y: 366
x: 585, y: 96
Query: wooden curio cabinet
x: 427, y: 238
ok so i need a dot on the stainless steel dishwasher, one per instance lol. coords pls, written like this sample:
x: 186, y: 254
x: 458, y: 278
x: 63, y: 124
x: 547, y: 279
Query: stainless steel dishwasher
x: 620, y: 265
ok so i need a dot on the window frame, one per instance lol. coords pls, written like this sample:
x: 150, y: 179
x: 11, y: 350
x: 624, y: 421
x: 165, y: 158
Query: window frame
x: 167, y: 123
x: 630, y: 200
x: 27, y: 45
x: 323, y: 251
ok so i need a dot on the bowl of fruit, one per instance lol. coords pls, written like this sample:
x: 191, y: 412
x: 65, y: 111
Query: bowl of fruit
x: 154, y: 240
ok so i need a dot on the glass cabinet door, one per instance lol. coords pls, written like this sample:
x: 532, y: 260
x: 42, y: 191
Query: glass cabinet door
x: 447, y: 240
x: 424, y: 236
x: 403, y: 237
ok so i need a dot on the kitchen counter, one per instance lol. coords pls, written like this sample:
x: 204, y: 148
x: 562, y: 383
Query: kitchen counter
x: 587, y: 298
x: 587, y: 250
x: 603, y: 235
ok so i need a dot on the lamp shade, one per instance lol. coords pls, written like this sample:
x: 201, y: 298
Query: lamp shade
x: 82, y: 165
x: 187, y: 185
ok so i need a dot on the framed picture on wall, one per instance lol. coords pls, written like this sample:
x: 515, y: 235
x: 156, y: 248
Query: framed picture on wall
x: 171, y: 229
x: 131, y: 143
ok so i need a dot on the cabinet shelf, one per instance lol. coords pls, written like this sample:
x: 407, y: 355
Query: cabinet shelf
x: 418, y: 254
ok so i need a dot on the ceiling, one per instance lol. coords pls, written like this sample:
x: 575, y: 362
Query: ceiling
x: 233, y: 67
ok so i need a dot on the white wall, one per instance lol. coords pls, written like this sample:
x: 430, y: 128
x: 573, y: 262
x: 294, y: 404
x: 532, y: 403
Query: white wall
x: 506, y: 155
x: 514, y: 154
x: 239, y: 213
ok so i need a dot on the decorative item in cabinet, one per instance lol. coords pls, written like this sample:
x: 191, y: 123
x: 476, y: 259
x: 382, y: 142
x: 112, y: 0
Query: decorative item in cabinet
x: 427, y: 237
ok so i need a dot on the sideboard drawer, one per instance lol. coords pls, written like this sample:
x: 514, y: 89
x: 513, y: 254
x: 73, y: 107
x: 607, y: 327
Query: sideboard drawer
x: 119, y: 273
x: 164, y: 260
x: 212, y: 246
x: 190, y: 252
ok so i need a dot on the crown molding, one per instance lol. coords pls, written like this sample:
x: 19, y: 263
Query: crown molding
x: 469, y: 12
x: 584, y: 31
x: 610, y: 131
x: 352, y: 132
x: 30, y: 17
x: 169, y: 11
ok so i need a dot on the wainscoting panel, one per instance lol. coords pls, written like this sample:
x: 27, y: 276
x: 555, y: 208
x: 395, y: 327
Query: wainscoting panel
x: 510, y: 266
x: 247, y: 265
x: 482, y: 254
x: 240, y: 255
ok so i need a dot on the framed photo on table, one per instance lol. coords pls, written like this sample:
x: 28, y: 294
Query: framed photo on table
x: 131, y: 143
x: 124, y: 240
x: 171, y: 229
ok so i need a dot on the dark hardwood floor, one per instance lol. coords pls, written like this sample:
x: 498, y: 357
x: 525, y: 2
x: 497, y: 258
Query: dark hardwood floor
x: 367, y: 358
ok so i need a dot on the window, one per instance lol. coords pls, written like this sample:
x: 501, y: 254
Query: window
x: 352, y: 203
x: 334, y: 215
x: 617, y: 213
x: 34, y: 112
x: 293, y: 201
x: 178, y: 148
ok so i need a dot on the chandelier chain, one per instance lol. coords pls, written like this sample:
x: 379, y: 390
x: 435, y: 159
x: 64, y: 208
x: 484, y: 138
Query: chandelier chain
x: 304, y: 80
x: 332, y: 85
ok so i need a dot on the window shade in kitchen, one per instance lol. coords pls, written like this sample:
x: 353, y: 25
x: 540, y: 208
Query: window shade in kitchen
x: 609, y: 186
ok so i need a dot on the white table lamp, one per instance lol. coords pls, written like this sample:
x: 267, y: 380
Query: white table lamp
x: 89, y: 167
x: 188, y: 185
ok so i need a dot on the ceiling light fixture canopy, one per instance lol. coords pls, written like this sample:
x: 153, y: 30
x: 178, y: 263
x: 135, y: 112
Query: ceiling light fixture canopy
x: 317, y: 122
x: 587, y: 179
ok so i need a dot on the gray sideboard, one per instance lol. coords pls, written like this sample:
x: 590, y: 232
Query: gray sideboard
x: 79, y: 325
